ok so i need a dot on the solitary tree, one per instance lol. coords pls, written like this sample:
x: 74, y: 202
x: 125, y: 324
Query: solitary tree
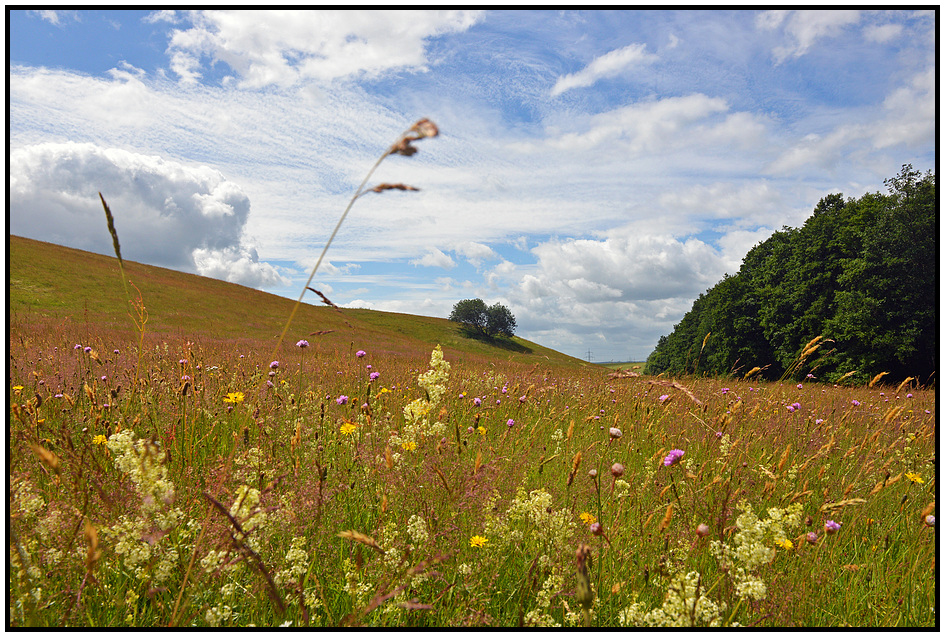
x: 472, y: 312
x: 490, y: 321
x: 499, y: 321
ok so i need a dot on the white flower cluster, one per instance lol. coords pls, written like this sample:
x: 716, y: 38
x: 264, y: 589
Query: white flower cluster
x: 433, y: 382
x: 531, y: 516
x: 540, y: 615
x: 143, y: 461
x: 218, y: 615
x: 251, y: 466
x: 245, y: 509
x: 753, y: 546
x: 417, y: 530
x: 725, y: 445
x: 685, y: 606
x: 140, y: 539
x: 558, y: 437
x: 296, y: 562
x: 622, y: 489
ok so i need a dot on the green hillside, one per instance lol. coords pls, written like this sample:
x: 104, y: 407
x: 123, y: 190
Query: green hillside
x: 50, y: 285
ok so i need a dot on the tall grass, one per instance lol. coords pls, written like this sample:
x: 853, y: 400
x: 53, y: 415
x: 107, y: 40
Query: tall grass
x: 185, y: 482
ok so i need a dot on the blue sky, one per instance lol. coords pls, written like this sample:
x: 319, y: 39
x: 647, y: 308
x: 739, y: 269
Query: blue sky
x: 596, y: 170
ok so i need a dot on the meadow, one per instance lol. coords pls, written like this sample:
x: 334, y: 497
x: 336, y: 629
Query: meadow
x: 166, y: 469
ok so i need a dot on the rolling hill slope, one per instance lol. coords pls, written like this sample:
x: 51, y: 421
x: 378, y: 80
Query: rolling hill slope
x: 52, y: 285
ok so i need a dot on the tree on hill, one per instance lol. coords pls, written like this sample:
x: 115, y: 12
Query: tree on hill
x: 492, y: 321
x: 860, y: 273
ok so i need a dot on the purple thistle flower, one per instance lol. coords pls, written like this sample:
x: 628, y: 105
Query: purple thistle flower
x: 375, y: 375
x: 360, y: 353
x: 274, y: 365
x: 673, y: 457
x: 510, y: 422
x: 77, y: 346
x: 856, y: 403
x: 86, y: 349
x: 342, y: 400
x: 831, y: 527
x: 477, y: 401
x: 303, y: 343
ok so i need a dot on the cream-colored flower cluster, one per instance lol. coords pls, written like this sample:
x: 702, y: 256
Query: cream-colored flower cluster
x: 754, y: 546
x: 541, y: 615
x: 686, y: 605
x: 417, y: 413
x: 143, y: 462
x: 140, y: 539
x: 530, y: 517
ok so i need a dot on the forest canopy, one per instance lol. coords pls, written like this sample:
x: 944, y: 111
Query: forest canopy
x: 861, y: 273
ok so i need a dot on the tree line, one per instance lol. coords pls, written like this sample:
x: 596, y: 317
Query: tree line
x: 861, y: 273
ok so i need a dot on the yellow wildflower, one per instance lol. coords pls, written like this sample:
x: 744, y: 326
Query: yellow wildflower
x: 914, y: 477
x: 477, y: 541
x: 482, y: 430
x: 234, y: 397
x: 99, y: 440
x: 17, y: 389
x: 409, y: 445
x: 348, y: 428
x: 785, y: 544
x: 587, y: 518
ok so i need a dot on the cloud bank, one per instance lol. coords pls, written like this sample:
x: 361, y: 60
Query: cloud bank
x: 183, y: 217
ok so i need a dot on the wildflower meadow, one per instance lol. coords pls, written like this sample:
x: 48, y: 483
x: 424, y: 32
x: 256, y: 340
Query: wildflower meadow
x: 171, y: 470
x: 203, y: 485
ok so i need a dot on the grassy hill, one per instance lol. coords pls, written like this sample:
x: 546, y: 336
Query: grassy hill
x: 51, y: 285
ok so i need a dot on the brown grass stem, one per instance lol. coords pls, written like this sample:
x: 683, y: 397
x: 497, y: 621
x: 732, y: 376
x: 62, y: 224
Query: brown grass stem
x: 423, y: 128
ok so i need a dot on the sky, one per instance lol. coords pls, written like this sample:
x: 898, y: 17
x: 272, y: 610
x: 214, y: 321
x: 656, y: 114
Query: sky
x: 595, y: 170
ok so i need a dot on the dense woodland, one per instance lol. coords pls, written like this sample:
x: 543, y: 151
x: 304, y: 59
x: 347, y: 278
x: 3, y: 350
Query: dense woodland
x: 861, y: 273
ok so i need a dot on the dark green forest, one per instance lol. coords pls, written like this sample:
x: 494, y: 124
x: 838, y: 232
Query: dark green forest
x: 862, y: 274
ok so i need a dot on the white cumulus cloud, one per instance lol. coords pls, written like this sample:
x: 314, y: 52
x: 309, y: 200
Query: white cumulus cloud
x: 435, y: 258
x: 804, y: 28
x: 166, y: 213
x: 283, y: 48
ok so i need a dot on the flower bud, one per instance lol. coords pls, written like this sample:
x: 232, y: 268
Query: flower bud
x: 617, y: 470
x: 702, y: 530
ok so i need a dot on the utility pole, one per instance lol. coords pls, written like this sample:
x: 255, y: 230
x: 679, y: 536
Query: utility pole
x: 589, y: 355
